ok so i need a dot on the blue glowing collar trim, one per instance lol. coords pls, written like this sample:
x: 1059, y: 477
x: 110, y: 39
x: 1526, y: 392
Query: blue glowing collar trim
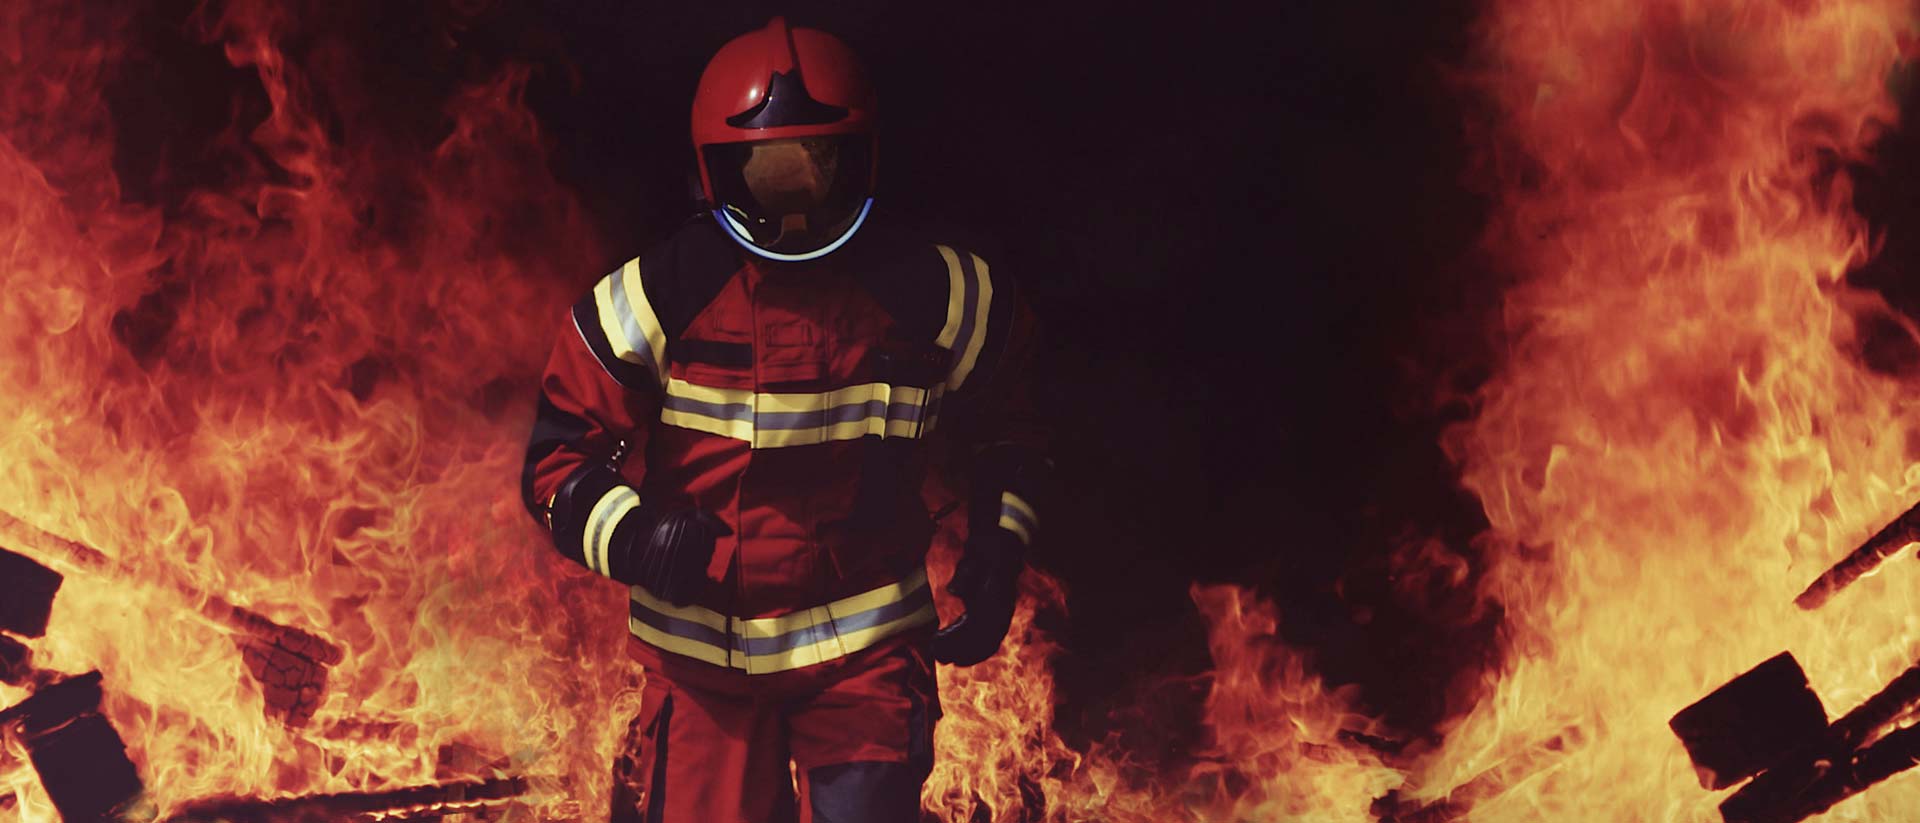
x: 739, y: 235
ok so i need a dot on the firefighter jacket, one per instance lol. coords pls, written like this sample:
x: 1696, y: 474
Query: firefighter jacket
x: 797, y: 402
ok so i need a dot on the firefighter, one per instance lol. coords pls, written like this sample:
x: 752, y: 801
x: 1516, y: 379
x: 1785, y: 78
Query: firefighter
x: 737, y: 424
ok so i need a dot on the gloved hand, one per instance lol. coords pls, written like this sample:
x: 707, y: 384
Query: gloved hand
x: 669, y: 557
x: 987, y: 581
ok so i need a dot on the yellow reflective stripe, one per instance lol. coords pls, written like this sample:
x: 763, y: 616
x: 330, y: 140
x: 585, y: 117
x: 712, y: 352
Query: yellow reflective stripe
x: 978, y: 335
x: 743, y: 428
x: 762, y: 627
x: 1018, y: 528
x: 1013, y: 500
x: 847, y: 396
x: 692, y: 614
x: 956, y: 299
x: 695, y: 649
x: 837, y: 646
x: 832, y: 644
x: 614, y: 324
x: 736, y: 429
x: 624, y: 500
x: 643, y: 312
x: 601, y: 520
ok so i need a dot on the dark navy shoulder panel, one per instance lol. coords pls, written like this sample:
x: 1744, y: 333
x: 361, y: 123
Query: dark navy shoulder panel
x: 903, y: 271
x: 685, y: 272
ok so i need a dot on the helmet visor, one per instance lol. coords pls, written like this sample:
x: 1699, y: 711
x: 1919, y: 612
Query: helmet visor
x: 794, y: 196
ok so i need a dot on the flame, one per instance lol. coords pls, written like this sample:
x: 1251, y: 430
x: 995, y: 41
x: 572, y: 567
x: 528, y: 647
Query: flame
x: 1683, y: 434
x: 294, y: 387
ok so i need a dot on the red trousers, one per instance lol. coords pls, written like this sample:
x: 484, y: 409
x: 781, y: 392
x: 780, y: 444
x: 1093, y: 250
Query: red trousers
x: 845, y: 741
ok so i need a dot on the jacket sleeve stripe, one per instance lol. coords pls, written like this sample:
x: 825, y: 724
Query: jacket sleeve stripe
x: 980, y: 293
x: 1018, y: 517
x: 607, y: 513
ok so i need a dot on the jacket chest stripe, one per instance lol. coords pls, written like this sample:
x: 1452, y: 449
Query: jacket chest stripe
x: 774, y: 420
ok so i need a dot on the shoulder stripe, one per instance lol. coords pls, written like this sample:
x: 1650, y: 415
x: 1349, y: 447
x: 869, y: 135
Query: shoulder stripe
x: 969, y: 296
x: 629, y: 322
x: 956, y: 302
x: 586, y: 321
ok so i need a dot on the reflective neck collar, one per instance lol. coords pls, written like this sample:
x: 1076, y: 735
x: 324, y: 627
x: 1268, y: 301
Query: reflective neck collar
x: 739, y: 235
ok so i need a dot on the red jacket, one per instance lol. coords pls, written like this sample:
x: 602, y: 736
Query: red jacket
x: 797, y: 402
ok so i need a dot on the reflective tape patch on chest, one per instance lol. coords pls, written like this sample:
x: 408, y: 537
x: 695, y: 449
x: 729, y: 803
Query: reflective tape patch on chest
x: 775, y: 420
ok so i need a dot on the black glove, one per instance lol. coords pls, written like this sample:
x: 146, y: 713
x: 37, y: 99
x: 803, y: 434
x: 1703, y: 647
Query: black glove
x: 669, y: 555
x: 987, y: 581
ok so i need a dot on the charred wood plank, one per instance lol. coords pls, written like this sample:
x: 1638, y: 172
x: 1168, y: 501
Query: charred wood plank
x: 1752, y: 722
x: 54, y: 705
x: 411, y: 803
x: 26, y: 596
x: 81, y: 760
x: 1885, y: 543
x: 84, y: 768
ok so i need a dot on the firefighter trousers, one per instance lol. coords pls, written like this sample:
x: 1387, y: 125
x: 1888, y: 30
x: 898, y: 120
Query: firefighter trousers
x: 847, y: 741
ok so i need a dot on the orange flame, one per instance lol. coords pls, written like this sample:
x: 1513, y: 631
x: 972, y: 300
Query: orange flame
x: 300, y: 387
x: 296, y: 388
x: 1682, y: 435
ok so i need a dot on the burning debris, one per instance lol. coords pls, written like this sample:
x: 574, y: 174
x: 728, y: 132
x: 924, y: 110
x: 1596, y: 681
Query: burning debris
x: 1891, y: 538
x: 1769, y: 725
x: 81, y: 760
x: 289, y: 663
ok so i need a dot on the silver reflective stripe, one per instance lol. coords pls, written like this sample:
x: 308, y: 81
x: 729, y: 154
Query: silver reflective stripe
x: 630, y: 326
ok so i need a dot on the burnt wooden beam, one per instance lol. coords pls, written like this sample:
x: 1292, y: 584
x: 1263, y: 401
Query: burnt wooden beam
x: 1827, y: 782
x: 26, y: 594
x: 1883, y: 544
x: 410, y: 803
x: 1819, y: 769
x: 1751, y: 722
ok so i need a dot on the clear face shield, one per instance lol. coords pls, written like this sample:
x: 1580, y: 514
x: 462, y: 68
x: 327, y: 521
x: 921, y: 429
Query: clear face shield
x: 792, y: 199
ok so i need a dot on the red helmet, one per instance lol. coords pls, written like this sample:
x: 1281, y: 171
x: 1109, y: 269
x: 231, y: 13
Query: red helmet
x: 783, y: 130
